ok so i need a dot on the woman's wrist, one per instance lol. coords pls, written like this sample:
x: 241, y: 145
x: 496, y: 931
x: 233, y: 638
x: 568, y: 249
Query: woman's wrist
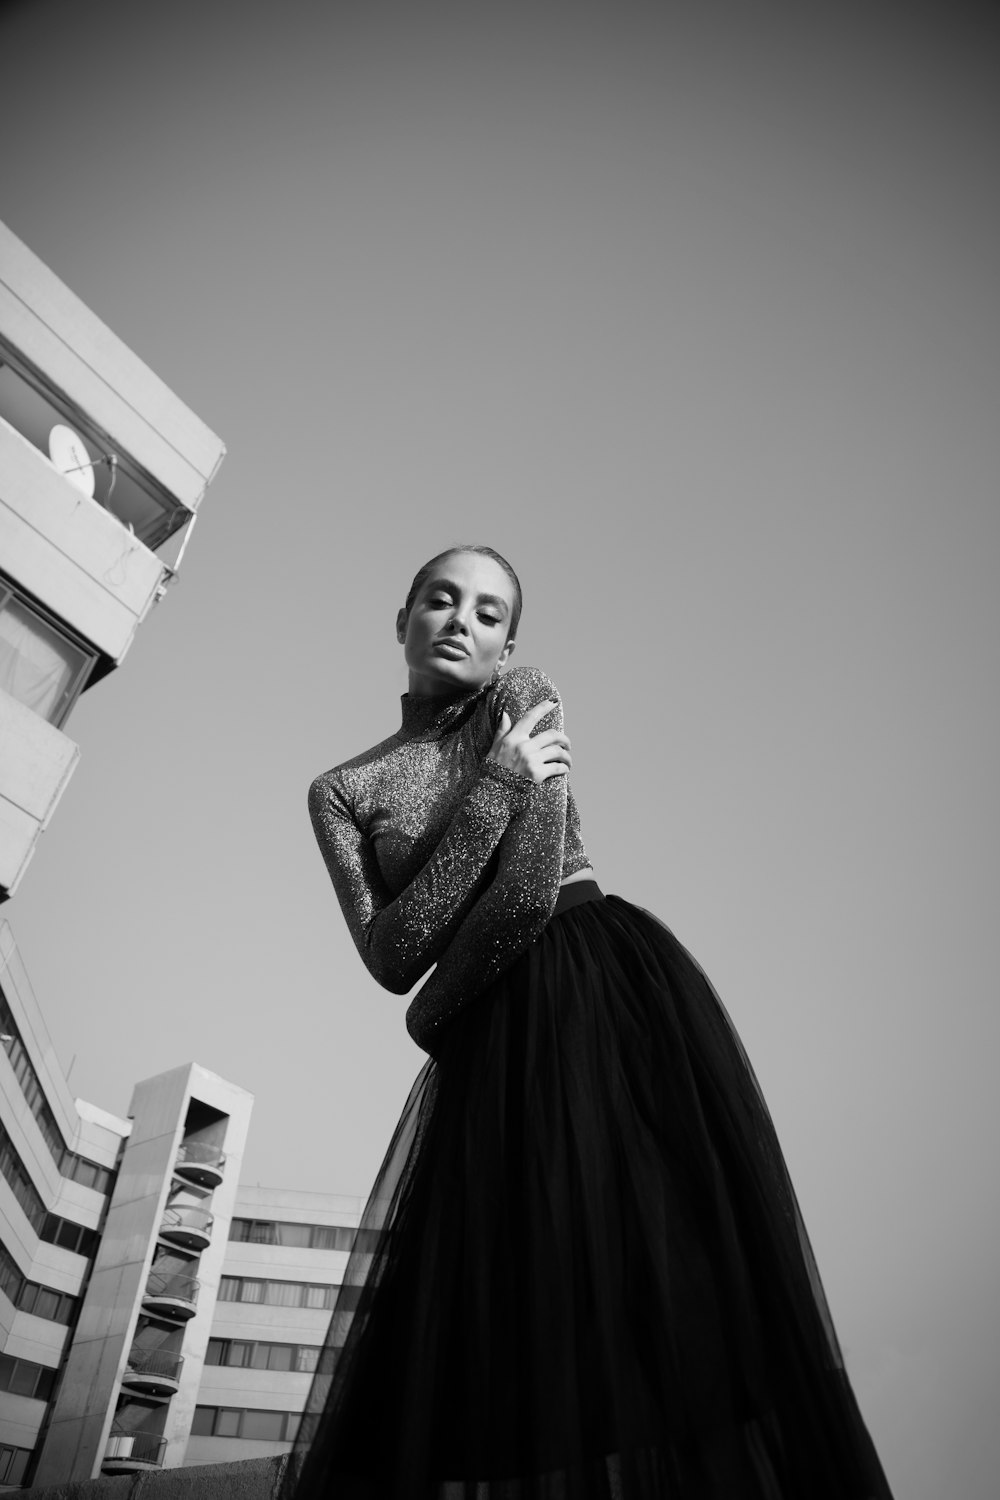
x: 513, y: 780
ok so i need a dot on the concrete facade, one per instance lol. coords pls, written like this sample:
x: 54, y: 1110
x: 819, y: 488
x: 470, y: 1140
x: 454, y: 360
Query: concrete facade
x: 58, y: 1165
x: 100, y: 465
x: 276, y: 1342
x: 133, y: 1367
x: 154, y: 1312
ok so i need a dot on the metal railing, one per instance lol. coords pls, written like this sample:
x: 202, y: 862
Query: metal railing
x: 200, y: 1154
x: 198, y: 1219
x: 140, y: 1447
x: 163, y: 1363
x: 173, y: 1284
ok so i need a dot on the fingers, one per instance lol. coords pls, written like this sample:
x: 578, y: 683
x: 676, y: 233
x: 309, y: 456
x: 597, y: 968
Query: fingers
x: 502, y: 730
x: 550, y: 737
x: 537, y: 756
x: 550, y: 759
x: 538, y: 711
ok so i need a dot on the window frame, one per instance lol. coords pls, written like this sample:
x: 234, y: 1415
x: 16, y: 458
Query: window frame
x: 317, y: 1236
x: 9, y: 590
x: 69, y: 1163
x: 263, y: 1354
x: 207, y: 1421
x: 175, y: 514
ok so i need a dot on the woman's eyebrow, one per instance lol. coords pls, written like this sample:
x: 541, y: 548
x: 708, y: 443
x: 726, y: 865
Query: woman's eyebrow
x: 454, y: 588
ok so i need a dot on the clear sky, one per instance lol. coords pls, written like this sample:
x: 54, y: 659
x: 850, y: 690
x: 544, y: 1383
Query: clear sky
x: 691, y: 310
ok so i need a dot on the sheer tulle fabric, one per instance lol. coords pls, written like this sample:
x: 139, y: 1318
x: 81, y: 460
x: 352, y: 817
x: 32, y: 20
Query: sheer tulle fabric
x: 583, y: 1271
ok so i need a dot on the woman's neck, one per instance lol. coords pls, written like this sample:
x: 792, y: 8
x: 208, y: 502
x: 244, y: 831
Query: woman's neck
x: 431, y: 714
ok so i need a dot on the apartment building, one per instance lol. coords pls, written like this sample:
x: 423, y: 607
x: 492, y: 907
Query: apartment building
x: 154, y: 1312
x: 102, y: 471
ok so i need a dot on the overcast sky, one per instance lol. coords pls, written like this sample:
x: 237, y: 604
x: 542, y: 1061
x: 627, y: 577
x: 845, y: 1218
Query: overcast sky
x: 691, y: 311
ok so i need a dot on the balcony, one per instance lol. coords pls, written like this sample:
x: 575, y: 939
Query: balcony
x: 155, y: 1371
x: 171, y: 1294
x: 200, y: 1163
x: 128, y: 1452
x: 190, y: 1227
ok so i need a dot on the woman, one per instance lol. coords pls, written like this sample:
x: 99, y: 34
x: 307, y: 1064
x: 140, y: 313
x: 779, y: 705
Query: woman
x: 582, y: 1271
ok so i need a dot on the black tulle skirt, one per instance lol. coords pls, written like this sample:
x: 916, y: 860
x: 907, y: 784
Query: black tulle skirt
x: 582, y: 1270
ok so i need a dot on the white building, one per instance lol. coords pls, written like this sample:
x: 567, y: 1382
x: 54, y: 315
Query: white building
x: 100, y: 466
x: 284, y: 1264
x: 153, y: 1312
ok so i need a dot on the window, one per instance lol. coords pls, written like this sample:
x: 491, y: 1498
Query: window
x: 319, y: 1295
x: 20, y: 1184
x: 69, y: 1235
x: 76, y: 1168
x: 45, y: 1304
x: 11, y: 1280
x: 284, y: 1294
x: 87, y: 1173
x: 303, y: 1236
x: 30, y: 1297
x: 13, y: 1464
x: 23, y: 1378
x: 241, y: 1354
x: 248, y: 1422
x: 30, y: 405
x: 267, y: 1426
x: 294, y: 1234
x: 42, y: 665
x: 332, y: 1237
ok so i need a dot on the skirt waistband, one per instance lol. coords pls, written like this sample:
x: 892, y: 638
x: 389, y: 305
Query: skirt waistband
x: 576, y: 892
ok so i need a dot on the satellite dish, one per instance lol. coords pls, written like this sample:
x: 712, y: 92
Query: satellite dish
x: 70, y: 457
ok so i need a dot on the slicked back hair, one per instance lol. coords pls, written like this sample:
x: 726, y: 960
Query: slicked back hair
x: 425, y: 572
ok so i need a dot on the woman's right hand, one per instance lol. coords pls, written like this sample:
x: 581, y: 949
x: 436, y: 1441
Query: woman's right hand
x: 536, y: 756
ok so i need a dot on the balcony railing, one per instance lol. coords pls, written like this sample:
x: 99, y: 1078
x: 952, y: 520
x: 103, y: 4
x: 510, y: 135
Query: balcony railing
x: 133, y: 1450
x: 189, y: 1226
x: 156, y: 1370
x: 200, y: 1162
x: 201, y: 1151
x: 173, y: 1291
x: 156, y: 1362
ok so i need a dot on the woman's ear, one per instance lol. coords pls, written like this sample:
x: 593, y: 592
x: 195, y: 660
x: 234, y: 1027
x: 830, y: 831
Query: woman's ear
x: 401, y: 626
x: 505, y: 653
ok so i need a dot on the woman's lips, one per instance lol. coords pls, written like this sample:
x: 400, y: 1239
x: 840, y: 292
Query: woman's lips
x: 450, y: 649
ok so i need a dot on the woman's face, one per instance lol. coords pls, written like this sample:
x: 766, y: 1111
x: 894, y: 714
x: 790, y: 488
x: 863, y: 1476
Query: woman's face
x: 456, y: 631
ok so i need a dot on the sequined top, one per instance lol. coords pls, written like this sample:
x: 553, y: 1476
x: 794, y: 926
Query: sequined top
x: 441, y: 855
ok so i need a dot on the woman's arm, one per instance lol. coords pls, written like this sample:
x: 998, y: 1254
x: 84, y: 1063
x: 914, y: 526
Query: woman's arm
x: 400, y: 937
x: 514, y: 909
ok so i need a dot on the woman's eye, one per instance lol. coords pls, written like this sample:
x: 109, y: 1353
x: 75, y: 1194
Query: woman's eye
x: 489, y: 619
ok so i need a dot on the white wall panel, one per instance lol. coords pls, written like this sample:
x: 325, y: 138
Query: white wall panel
x: 78, y: 527
x: 53, y: 329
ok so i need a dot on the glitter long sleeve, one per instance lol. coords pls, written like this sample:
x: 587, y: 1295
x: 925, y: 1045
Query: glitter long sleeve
x: 516, y: 906
x: 400, y: 936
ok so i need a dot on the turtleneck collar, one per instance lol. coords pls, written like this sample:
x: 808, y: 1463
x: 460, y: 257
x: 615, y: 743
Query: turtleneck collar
x: 427, y: 716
